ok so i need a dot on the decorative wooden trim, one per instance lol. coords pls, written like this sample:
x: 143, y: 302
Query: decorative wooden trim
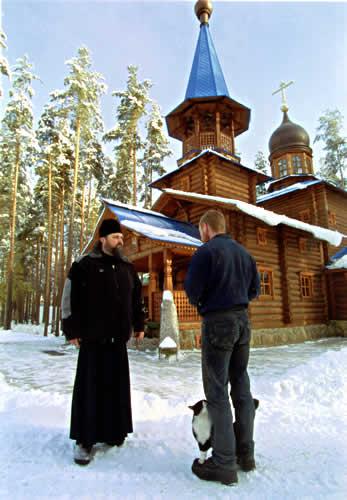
x: 168, y: 270
x: 261, y: 236
x: 332, y: 218
x: 302, y: 244
x: 305, y: 215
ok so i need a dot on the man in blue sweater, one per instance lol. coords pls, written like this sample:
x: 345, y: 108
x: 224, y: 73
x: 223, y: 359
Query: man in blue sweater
x: 222, y: 279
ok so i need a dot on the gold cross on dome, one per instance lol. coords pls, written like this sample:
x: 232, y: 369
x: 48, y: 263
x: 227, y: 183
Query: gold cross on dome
x: 283, y: 86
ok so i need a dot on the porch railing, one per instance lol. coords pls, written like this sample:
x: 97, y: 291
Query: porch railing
x: 185, y: 311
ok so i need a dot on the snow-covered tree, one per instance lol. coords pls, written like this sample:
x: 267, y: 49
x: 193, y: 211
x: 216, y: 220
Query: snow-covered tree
x: 53, y: 169
x: 81, y: 103
x: 334, y: 164
x: 4, y: 66
x: 156, y: 149
x: 262, y: 164
x: 19, y: 144
x: 131, y: 109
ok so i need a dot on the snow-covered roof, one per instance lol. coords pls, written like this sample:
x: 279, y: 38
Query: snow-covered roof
x: 274, y: 181
x: 339, y: 263
x: 161, y: 234
x: 339, y: 260
x: 267, y: 216
x: 288, y: 189
x: 202, y: 153
x: 154, y: 225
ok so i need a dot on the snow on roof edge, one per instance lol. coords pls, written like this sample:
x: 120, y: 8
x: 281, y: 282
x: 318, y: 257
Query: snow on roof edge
x: 133, y: 207
x: 203, y: 152
x: 267, y: 216
x: 340, y: 263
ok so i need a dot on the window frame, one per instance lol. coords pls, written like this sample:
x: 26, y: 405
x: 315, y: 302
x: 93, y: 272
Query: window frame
x: 297, y: 164
x: 269, y: 271
x: 305, y: 275
x: 283, y: 162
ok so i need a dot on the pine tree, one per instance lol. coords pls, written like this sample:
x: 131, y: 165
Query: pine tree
x: 261, y: 163
x: 131, y: 109
x: 334, y: 163
x: 4, y: 66
x: 81, y: 102
x: 155, y: 151
x: 19, y: 140
x: 53, y: 169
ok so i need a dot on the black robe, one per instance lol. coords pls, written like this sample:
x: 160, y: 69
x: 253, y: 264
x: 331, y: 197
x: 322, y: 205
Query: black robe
x: 101, y: 305
x: 101, y: 403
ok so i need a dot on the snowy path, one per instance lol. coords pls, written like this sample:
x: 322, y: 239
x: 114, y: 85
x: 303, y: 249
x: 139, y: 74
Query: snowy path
x: 301, y: 433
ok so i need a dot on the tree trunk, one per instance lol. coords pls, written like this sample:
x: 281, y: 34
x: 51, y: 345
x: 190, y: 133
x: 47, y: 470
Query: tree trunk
x: 47, y: 301
x: 134, y: 173
x: 10, y: 264
x: 88, y: 208
x: 55, y: 272
x: 82, y: 219
x: 36, y: 309
x: 74, y: 189
x: 61, y: 274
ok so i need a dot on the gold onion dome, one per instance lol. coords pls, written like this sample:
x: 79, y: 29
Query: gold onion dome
x: 203, y: 10
x: 288, y: 135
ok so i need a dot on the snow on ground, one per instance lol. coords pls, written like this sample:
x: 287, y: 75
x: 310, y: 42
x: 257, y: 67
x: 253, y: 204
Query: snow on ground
x: 300, y: 430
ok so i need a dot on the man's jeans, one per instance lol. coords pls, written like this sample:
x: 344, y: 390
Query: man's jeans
x: 225, y: 352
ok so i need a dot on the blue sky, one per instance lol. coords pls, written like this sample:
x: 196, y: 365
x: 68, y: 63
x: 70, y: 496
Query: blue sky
x: 258, y: 44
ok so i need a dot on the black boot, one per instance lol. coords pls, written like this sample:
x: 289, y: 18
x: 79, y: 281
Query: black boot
x: 209, y: 471
x: 116, y: 442
x: 246, y: 463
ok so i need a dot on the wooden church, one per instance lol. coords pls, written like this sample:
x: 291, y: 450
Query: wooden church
x: 290, y: 231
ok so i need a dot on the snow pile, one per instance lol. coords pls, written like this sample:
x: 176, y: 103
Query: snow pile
x: 270, y: 218
x: 167, y: 295
x: 300, y: 428
x: 168, y: 343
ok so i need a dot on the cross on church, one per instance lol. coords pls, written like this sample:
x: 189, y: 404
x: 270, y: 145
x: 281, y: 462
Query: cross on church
x: 282, y: 88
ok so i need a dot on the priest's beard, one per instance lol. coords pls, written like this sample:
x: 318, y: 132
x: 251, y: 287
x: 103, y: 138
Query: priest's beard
x: 115, y: 252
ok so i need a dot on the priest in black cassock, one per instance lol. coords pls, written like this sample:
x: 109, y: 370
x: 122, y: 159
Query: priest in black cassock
x: 101, y: 307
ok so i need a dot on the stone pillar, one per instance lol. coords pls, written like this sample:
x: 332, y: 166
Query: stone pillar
x: 169, y: 342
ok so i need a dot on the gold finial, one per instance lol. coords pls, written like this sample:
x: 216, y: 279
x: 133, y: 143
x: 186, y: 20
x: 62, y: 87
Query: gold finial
x: 283, y: 86
x: 203, y: 10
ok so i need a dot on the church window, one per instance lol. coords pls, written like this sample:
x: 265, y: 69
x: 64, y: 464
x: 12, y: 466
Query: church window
x: 305, y: 216
x: 266, y: 282
x: 297, y: 164
x: 283, y: 167
x: 261, y: 236
x: 306, y: 285
x: 332, y: 218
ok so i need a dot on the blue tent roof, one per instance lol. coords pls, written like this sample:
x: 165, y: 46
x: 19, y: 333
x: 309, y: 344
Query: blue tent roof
x: 206, y: 77
x: 154, y: 225
x: 339, y: 254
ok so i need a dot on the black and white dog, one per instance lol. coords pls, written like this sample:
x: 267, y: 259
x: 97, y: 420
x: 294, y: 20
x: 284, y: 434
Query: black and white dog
x: 202, y: 426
